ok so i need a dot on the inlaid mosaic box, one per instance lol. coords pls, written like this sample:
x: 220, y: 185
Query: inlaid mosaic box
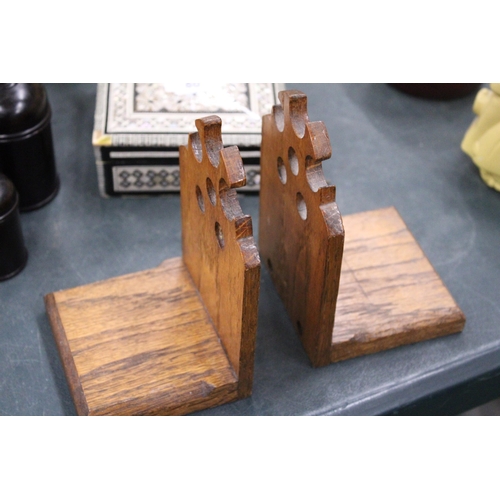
x: 138, y: 128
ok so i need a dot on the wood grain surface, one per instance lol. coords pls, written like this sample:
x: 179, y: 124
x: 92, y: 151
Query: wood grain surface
x: 218, y: 246
x: 301, y: 236
x: 142, y: 343
x: 179, y: 337
x: 378, y: 292
x: 390, y: 294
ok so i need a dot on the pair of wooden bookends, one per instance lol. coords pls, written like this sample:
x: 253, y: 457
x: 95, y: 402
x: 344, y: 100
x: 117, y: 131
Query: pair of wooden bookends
x: 181, y: 337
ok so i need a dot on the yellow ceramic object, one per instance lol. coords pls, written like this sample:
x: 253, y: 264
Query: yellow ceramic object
x: 482, y: 141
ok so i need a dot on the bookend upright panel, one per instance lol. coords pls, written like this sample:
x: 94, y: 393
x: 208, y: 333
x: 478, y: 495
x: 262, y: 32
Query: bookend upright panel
x: 373, y: 289
x: 301, y: 234
x: 218, y: 245
x: 179, y: 337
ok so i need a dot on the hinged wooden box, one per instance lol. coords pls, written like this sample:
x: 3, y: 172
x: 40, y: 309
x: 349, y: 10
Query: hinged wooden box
x: 139, y: 127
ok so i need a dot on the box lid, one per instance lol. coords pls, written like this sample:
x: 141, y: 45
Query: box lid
x: 163, y: 114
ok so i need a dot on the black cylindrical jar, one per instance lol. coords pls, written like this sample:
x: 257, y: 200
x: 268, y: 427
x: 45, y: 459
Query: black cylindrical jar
x: 26, y: 149
x: 13, y: 253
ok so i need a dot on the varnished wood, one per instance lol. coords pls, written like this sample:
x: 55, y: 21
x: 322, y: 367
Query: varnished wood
x: 389, y: 294
x: 218, y: 246
x: 142, y: 343
x: 179, y: 337
x: 304, y: 256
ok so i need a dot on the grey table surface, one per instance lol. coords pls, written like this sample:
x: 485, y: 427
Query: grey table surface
x: 388, y: 149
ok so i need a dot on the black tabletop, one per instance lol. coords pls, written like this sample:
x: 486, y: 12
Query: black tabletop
x: 388, y: 149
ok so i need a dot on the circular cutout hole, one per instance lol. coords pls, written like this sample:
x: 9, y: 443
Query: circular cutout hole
x: 220, y: 235
x: 279, y: 117
x: 211, y: 192
x: 281, y: 170
x: 298, y: 122
x: 197, y: 146
x: 214, y: 146
x: 199, y: 197
x: 294, y: 162
x: 301, y: 206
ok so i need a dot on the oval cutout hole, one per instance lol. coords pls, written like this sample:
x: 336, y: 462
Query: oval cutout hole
x: 281, y: 170
x: 199, y: 197
x: 301, y: 206
x: 293, y: 160
x: 220, y: 235
x: 279, y: 118
x: 211, y: 192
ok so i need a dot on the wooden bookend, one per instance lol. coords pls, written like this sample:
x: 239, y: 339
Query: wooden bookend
x: 376, y: 291
x: 179, y: 337
x: 218, y: 247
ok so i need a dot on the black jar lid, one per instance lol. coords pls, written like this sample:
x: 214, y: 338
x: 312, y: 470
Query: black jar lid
x: 23, y: 108
x: 13, y: 253
x: 437, y: 91
x: 8, y: 196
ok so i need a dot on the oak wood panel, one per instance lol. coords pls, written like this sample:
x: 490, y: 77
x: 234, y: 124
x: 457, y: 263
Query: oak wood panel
x: 301, y: 235
x: 64, y: 350
x: 142, y: 343
x: 218, y: 245
x: 378, y: 292
x: 179, y: 337
x: 390, y: 294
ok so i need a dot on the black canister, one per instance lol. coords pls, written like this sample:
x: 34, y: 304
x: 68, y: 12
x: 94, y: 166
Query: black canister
x: 13, y: 253
x: 26, y: 149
